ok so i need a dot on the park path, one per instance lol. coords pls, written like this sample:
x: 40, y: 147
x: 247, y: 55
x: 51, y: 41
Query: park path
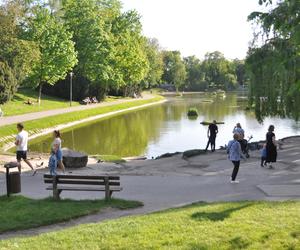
x: 172, y: 182
x: 37, y: 115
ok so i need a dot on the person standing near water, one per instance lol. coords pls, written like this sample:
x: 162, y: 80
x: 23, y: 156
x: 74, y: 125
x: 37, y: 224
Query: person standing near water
x: 56, y: 148
x: 271, y: 147
x: 21, y: 143
x: 234, y: 155
x: 212, y: 132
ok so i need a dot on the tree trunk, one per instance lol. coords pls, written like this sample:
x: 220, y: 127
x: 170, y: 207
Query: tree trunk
x: 40, y: 93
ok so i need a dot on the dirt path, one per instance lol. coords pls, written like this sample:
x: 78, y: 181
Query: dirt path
x: 32, y: 116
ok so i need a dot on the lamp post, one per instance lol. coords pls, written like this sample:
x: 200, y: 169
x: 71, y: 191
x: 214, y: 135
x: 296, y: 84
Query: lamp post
x: 71, y: 87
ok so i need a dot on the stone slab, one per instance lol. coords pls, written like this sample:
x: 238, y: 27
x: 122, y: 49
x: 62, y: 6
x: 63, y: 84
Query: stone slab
x: 281, y: 190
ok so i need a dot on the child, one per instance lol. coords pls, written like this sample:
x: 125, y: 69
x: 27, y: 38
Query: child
x: 52, y: 164
x: 263, y: 156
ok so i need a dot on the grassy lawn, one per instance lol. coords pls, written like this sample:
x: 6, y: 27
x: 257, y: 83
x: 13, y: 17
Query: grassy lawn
x: 7, y: 132
x: 235, y: 225
x: 18, y: 212
x: 16, y: 106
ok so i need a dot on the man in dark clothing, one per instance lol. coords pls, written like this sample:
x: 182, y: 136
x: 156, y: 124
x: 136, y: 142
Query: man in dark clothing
x: 212, y: 134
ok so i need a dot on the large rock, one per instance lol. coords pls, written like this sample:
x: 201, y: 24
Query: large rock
x: 73, y: 159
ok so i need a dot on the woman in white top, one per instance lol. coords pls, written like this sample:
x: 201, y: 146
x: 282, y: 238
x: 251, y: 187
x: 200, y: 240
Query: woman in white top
x: 56, y: 148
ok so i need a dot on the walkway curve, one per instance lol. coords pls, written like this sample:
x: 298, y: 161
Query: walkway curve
x: 42, y: 114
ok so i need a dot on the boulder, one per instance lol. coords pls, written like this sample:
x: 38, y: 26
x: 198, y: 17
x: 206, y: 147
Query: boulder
x: 73, y: 159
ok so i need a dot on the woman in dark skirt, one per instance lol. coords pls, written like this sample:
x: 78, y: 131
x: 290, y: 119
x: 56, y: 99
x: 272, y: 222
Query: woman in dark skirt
x: 271, y: 146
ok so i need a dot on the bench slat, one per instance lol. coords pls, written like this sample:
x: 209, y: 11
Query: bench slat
x: 100, y: 183
x: 86, y: 177
x: 114, y: 189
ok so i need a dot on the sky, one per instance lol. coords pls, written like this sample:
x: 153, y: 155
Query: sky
x: 195, y: 27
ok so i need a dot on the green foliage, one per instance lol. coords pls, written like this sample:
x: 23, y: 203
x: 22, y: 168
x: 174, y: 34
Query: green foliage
x: 8, y: 83
x: 227, y: 225
x: 18, y: 53
x: 57, y: 53
x: 274, y: 67
x: 192, y: 112
x: 174, y: 69
x: 18, y: 212
x: 156, y: 64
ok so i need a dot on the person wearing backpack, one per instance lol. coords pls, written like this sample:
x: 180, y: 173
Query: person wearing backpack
x: 234, y: 152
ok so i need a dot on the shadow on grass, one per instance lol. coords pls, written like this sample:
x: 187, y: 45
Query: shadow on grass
x: 238, y: 243
x: 217, y: 216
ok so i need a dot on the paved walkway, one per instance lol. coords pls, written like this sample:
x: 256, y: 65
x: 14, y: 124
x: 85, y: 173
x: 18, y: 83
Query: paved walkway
x: 37, y: 115
x: 171, y: 182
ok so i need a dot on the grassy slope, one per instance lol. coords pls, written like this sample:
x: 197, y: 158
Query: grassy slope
x: 237, y: 225
x: 18, y: 212
x: 16, y: 106
x: 39, y: 124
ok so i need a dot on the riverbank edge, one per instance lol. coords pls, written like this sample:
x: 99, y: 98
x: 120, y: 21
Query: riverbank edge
x: 8, y: 144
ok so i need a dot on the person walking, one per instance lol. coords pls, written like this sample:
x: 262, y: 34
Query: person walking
x: 212, y: 132
x: 234, y: 154
x: 56, y: 149
x: 271, y: 147
x: 22, y: 146
x: 263, y: 155
x: 241, y: 132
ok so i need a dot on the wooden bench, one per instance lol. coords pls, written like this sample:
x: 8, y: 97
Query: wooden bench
x: 107, y: 184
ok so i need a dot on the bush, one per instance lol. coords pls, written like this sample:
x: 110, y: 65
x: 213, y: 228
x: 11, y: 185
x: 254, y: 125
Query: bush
x: 192, y: 112
x: 8, y: 83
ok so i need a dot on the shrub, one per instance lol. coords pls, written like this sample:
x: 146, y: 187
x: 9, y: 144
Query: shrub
x: 8, y: 83
x: 192, y: 112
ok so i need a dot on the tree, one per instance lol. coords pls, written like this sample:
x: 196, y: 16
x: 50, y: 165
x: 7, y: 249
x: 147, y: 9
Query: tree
x: 155, y: 59
x: 174, y: 69
x: 195, y: 75
x: 57, y: 52
x: 219, y: 72
x: 8, y: 83
x: 15, y: 51
x: 130, y: 62
x: 93, y: 41
x: 274, y: 66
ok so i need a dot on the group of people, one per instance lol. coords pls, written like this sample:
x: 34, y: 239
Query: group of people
x: 55, y: 159
x: 237, y: 147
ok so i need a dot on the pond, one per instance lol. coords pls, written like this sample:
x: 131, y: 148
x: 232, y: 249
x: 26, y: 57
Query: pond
x: 166, y: 128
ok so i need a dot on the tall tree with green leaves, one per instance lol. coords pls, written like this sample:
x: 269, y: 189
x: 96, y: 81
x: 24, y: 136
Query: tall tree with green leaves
x: 130, y: 62
x: 90, y: 25
x: 195, y: 75
x: 156, y: 64
x: 174, y: 69
x: 16, y: 53
x: 274, y: 66
x: 57, y: 52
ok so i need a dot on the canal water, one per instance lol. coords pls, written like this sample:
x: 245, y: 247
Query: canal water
x: 166, y: 128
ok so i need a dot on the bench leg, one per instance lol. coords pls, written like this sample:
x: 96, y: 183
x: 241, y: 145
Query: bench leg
x: 56, y: 194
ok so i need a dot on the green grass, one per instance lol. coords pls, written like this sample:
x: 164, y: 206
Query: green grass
x: 18, y: 212
x: 109, y: 158
x: 232, y: 225
x: 16, y: 106
x: 7, y: 132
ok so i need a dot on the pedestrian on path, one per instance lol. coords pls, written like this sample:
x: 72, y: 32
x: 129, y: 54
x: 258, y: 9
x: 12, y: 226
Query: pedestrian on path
x: 263, y: 156
x: 271, y: 147
x: 56, y: 149
x: 212, y: 132
x: 234, y: 154
x: 22, y: 146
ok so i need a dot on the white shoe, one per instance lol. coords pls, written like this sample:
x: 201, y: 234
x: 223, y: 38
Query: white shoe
x: 234, y: 182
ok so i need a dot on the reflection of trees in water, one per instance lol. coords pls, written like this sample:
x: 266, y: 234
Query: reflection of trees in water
x: 124, y: 135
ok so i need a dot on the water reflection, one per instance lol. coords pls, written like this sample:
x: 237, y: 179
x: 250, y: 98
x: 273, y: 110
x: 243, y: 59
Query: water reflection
x: 166, y: 128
